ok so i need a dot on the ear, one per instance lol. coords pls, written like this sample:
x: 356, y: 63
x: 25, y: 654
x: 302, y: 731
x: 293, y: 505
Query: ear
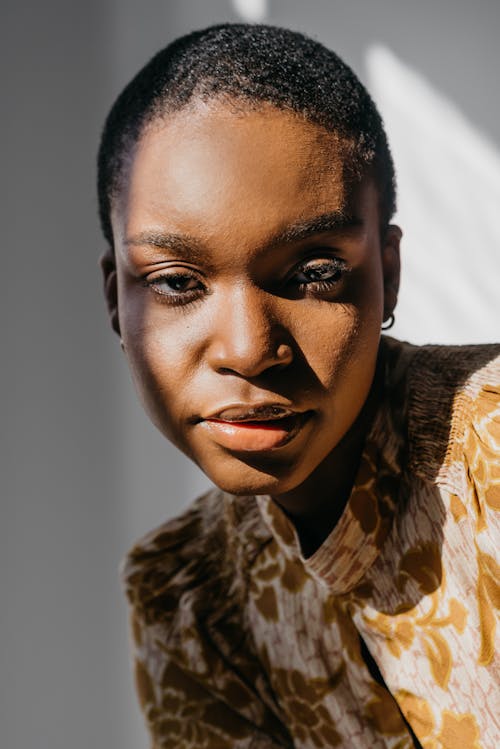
x: 391, y: 267
x: 108, y: 267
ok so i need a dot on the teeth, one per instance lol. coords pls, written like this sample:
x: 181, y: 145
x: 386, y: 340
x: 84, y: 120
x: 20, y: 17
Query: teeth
x: 260, y: 413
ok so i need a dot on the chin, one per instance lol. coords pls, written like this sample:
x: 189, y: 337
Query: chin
x: 247, y: 482
x: 242, y: 479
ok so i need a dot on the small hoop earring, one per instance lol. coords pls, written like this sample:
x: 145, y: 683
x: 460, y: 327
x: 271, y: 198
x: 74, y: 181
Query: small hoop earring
x: 389, y: 322
x: 284, y: 352
x: 122, y: 344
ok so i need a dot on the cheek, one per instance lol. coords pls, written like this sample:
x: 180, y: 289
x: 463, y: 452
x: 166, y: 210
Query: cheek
x: 344, y: 337
x: 344, y: 357
x: 372, y: 302
x: 161, y: 359
x: 368, y: 304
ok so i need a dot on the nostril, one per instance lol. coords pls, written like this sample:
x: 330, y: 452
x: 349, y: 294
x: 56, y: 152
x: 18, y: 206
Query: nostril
x: 253, y: 363
x: 247, y: 336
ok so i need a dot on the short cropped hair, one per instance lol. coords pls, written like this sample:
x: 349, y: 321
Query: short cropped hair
x: 256, y: 64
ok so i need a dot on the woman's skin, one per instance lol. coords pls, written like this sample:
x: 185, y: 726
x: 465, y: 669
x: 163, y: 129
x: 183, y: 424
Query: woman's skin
x: 248, y: 283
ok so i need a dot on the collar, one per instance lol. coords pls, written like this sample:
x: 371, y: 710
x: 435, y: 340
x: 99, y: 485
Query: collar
x: 359, y: 535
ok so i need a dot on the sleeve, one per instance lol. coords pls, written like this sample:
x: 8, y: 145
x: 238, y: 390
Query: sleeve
x: 482, y: 453
x: 481, y: 449
x: 198, y: 682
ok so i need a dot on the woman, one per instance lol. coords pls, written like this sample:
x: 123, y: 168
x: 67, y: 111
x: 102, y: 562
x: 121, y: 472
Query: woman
x: 338, y: 589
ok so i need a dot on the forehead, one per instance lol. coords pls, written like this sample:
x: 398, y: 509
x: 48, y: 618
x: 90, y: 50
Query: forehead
x: 212, y: 169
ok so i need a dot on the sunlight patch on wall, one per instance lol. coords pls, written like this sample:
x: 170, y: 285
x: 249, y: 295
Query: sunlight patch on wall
x: 448, y: 207
x: 253, y: 11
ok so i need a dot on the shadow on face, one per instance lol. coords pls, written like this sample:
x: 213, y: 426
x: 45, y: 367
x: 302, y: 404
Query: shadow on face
x: 249, y: 273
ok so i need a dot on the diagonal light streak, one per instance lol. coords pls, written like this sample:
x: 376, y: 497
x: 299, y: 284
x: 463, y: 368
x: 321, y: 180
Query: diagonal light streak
x: 449, y: 198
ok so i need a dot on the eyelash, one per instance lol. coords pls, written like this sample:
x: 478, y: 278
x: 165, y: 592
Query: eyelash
x: 173, y: 297
x: 337, y: 267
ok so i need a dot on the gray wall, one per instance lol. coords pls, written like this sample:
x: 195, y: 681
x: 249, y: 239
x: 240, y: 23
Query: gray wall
x: 84, y: 472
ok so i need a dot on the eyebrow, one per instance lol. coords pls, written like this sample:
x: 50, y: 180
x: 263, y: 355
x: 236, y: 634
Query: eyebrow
x: 334, y: 221
x: 183, y: 245
x: 191, y: 249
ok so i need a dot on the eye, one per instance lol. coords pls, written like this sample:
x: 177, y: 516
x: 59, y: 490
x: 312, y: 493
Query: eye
x: 319, y: 274
x: 176, y: 287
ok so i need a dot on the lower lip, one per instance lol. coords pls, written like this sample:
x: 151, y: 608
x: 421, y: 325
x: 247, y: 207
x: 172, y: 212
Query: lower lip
x: 255, y: 436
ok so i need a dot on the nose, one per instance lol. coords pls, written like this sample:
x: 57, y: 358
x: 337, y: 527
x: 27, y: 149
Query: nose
x: 247, y: 337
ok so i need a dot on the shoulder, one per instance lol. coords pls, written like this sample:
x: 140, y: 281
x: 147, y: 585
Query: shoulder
x: 445, y: 367
x: 451, y: 397
x: 196, y: 671
x: 200, y: 555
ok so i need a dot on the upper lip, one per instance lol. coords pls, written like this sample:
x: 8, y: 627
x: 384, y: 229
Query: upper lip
x: 252, y: 412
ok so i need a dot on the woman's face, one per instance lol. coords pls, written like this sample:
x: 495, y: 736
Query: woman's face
x: 251, y: 286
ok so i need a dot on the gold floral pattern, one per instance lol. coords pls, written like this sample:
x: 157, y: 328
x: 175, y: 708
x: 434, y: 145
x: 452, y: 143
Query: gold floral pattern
x: 399, y: 631
x: 240, y: 642
x: 488, y: 598
x: 456, y: 730
x: 482, y: 458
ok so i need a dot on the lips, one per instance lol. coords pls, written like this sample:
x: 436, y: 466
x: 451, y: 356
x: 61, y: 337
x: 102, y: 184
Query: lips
x: 263, y: 412
x: 254, y: 428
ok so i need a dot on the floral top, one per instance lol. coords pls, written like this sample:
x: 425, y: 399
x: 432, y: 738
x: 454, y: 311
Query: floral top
x: 386, y: 636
